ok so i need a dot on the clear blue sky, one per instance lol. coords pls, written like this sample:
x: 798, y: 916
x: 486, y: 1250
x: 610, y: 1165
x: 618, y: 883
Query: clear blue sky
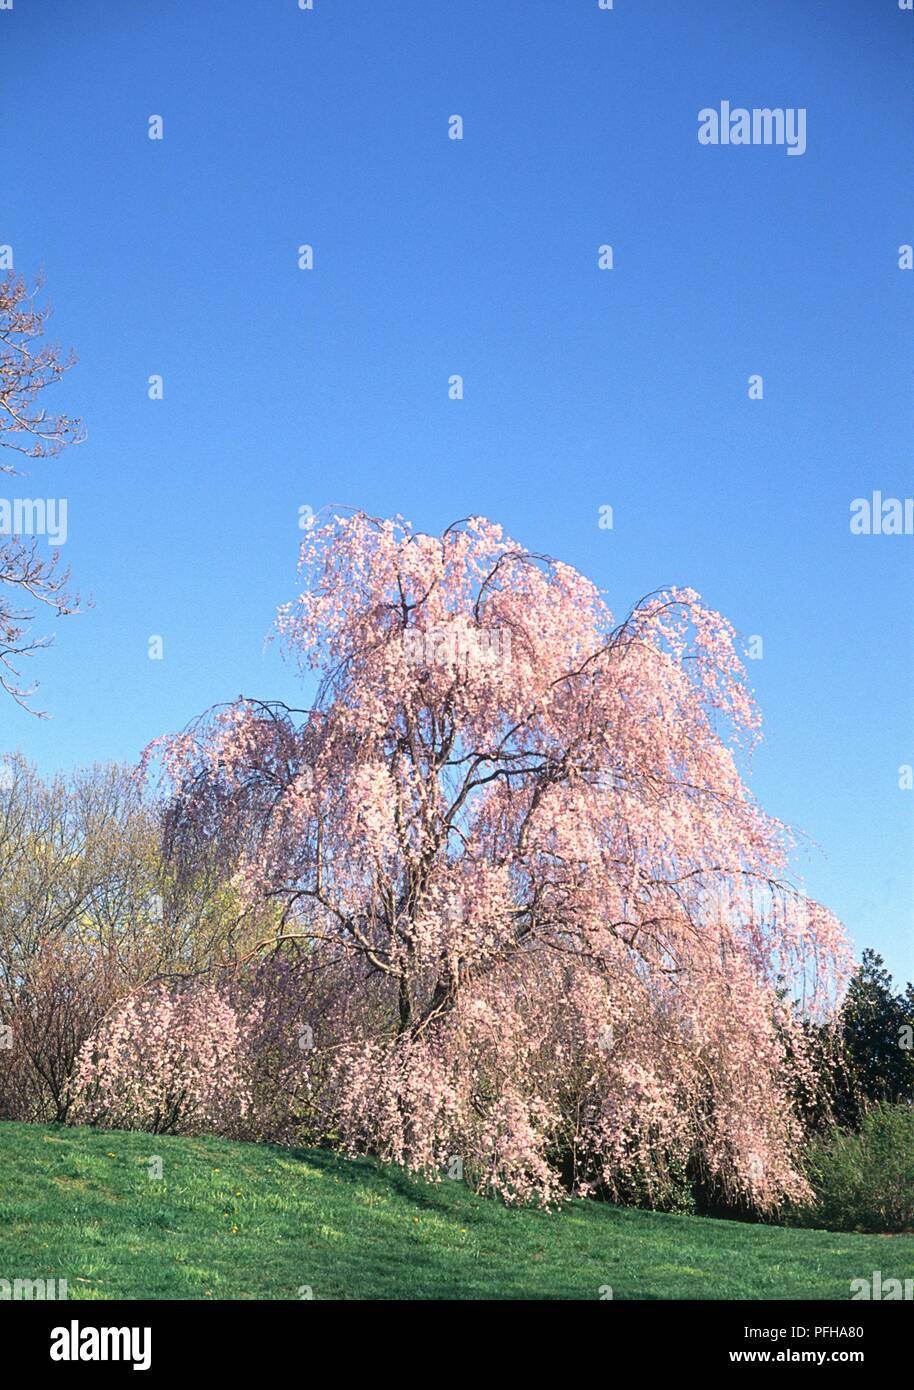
x: 583, y: 388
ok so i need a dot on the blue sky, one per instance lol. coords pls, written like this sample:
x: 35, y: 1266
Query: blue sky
x: 583, y: 388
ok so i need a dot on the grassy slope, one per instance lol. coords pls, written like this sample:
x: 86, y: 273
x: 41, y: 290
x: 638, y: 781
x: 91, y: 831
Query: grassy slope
x: 250, y: 1221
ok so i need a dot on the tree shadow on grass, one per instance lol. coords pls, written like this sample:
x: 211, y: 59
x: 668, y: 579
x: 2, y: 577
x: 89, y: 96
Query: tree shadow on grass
x: 364, y: 1171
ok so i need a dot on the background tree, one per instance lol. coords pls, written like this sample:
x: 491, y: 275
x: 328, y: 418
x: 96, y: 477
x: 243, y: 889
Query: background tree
x: 524, y: 829
x: 28, y: 366
x: 88, y: 916
x: 877, y: 1034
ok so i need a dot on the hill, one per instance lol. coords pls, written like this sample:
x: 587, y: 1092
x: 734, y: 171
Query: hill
x: 246, y: 1221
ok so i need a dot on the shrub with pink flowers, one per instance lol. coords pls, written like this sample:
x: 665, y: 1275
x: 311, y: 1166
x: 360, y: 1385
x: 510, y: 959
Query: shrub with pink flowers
x: 173, y: 1060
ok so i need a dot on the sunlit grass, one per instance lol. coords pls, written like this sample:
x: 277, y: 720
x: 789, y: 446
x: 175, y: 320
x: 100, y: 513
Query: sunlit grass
x: 237, y: 1221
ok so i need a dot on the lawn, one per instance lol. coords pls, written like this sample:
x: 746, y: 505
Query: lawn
x: 229, y: 1220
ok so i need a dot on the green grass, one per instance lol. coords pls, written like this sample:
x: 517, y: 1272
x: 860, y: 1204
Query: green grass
x: 231, y: 1220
